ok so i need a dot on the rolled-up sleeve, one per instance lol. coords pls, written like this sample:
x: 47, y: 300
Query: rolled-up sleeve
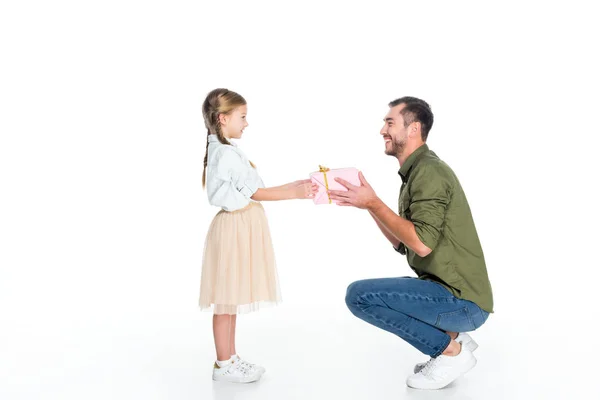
x: 431, y: 192
x: 231, y: 168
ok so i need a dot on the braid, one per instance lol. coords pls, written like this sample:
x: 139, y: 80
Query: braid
x: 205, y: 160
x: 219, y: 132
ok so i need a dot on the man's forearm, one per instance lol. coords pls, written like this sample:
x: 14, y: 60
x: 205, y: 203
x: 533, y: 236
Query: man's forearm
x: 393, y: 239
x: 402, y: 229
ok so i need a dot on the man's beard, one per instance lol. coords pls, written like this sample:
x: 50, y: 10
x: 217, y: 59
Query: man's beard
x: 395, y: 148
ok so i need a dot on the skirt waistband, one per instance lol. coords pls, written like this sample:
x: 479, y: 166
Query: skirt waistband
x: 246, y: 208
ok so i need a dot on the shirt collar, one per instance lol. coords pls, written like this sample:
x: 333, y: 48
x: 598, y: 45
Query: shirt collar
x: 410, y: 161
x: 212, y: 138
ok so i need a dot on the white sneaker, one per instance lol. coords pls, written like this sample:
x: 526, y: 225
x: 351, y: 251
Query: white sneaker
x: 235, y: 372
x: 464, y: 339
x: 257, y: 367
x: 441, y: 371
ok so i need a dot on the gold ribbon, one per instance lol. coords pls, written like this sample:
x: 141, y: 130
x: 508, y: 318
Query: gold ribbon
x: 324, y: 171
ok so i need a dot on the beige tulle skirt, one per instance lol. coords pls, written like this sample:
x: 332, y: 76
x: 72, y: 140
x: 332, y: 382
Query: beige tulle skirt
x: 238, y: 270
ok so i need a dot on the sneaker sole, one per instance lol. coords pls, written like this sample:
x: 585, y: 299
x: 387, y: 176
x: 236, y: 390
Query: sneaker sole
x: 443, y: 384
x: 249, y: 379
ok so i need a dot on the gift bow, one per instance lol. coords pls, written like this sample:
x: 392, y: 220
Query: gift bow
x: 324, y: 171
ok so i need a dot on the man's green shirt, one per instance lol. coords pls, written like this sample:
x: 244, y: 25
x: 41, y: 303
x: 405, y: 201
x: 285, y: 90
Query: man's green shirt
x: 433, y: 199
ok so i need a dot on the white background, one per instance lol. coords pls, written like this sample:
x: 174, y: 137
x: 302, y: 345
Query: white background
x: 103, y: 216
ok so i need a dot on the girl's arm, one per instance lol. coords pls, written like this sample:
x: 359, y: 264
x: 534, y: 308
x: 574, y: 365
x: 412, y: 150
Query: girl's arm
x: 296, y: 190
x: 291, y: 184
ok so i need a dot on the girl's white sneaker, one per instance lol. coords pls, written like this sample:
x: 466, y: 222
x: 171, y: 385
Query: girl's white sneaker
x: 237, y: 358
x: 235, y: 372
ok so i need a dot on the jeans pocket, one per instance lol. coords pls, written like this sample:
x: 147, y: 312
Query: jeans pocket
x: 456, y: 321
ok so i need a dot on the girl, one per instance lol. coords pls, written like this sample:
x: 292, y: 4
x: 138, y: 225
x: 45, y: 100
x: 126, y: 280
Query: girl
x: 238, y: 269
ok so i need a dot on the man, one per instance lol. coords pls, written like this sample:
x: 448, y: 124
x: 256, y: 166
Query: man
x: 435, y: 229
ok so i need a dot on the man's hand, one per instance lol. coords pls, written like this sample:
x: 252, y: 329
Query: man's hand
x: 362, y: 196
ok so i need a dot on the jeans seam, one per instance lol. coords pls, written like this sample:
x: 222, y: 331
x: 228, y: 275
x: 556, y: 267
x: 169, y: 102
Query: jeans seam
x: 403, y: 328
x: 471, y: 318
x: 436, y: 299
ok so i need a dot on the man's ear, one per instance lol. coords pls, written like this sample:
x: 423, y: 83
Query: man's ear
x: 415, y: 128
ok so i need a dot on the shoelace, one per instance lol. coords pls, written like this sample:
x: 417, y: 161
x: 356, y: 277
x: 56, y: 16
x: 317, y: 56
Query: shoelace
x: 243, y: 368
x: 247, y: 364
x: 429, y: 366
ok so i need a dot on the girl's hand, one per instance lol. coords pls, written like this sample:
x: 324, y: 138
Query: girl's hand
x: 305, y: 189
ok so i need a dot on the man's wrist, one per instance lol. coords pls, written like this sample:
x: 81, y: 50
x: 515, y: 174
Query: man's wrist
x: 375, y: 205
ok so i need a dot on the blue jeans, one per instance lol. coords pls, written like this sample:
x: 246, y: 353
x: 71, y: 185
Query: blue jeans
x: 418, y: 311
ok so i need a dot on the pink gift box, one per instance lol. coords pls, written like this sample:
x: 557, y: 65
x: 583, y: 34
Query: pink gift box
x: 325, y: 179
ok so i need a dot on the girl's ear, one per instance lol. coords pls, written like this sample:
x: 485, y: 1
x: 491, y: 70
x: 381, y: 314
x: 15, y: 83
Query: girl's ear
x: 223, y: 119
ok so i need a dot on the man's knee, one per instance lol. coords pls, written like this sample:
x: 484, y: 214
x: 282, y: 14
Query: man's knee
x: 353, y: 294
